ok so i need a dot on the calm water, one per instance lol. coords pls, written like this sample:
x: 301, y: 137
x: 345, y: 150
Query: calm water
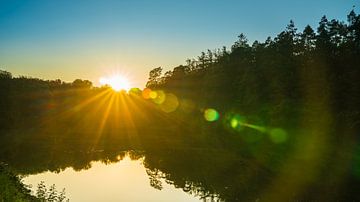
x: 125, y: 180
x: 178, y: 165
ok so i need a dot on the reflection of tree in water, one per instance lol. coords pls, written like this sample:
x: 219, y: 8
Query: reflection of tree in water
x: 208, y: 173
x: 155, y: 176
x: 200, y: 162
x: 218, y: 168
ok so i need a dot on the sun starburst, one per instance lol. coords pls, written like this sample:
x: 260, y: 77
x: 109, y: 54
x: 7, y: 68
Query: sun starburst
x: 116, y: 82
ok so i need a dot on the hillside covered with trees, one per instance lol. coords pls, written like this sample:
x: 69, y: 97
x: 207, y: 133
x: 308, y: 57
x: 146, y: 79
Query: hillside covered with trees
x: 287, y: 75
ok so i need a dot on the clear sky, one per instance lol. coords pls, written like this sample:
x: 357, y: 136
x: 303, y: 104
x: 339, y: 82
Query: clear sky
x: 88, y: 39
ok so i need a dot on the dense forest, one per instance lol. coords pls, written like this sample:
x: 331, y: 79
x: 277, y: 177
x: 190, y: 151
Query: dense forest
x: 275, y: 106
x: 293, y: 72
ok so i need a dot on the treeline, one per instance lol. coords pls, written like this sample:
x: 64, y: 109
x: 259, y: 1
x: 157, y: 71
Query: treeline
x: 295, y: 72
x: 23, y: 99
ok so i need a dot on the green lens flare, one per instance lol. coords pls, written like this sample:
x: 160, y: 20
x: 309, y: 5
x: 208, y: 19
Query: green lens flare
x: 234, y: 123
x: 160, y: 97
x: 211, y: 115
x: 255, y: 127
x: 278, y: 135
x: 237, y: 122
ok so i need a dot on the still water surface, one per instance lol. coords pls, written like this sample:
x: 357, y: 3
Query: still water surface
x: 125, y: 180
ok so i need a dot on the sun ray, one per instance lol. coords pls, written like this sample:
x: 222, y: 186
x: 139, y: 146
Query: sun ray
x: 93, y: 117
x: 135, y: 107
x: 90, y: 100
x: 129, y: 123
x: 67, y: 113
x: 104, y: 119
x: 117, y: 112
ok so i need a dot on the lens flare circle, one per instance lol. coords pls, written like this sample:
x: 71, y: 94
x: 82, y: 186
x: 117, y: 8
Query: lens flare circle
x: 234, y: 123
x: 146, y: 93
x: 211, y: 115
x: 153, y: 94
x: 237, y: 122
x: 160, y: 97
x: 170, y: 103
x: 278, y: 135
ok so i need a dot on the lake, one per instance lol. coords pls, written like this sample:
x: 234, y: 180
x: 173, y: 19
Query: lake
x: 162, y: 161
x: 125, y: 180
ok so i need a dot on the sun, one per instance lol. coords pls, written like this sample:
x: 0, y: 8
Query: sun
x: 116, y: 82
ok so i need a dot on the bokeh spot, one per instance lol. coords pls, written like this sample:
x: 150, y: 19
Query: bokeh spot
x: 170, y: 104
x: 153, y: 94
x: 211, y: 114
x: 278, y: 135
x: 237, y: 122
x: 234, y: 123
x: 146, y: 93
x: 160, y: 97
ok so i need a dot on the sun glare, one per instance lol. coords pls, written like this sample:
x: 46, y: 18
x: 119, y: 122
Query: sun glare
x: 116, y: 82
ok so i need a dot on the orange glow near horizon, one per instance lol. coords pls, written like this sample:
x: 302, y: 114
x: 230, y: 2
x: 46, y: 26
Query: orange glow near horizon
x: 116, y: 82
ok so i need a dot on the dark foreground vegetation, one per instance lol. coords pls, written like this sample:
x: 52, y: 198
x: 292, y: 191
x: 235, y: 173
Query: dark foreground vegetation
x: 12, y: 189
x: 281, y: 120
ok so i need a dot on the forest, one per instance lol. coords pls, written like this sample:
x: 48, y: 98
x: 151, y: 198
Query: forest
x: 288, y: 102
x: 286, y: 75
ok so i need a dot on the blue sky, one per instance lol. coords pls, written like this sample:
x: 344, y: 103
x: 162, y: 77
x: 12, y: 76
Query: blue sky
x: 93, y: 38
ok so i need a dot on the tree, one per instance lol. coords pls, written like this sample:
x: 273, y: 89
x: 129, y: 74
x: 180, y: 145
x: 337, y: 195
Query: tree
x: 179, y: 71
x: 78, y: 83
x: 323, y: 37
x: 5, y: 75
x: 202, y: 60
x: 354, y: 28
x: 242, y: 42
x: 154, y: 77
x: 308, y: 38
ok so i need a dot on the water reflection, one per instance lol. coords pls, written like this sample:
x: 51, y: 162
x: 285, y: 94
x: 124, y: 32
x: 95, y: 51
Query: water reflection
x: 231, y: 158
x: 195, y: 165
x: 125, y: 180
